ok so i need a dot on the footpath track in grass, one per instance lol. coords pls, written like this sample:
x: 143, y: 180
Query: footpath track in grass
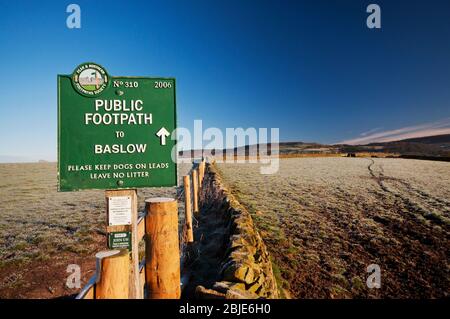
x: 325, y: 220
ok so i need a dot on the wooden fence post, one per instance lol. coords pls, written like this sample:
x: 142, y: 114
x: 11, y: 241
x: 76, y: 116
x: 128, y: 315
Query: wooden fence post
x: 162, y: 249
x: 201, y: 170
x: 195, y: 189
x: 187, y: 208
x: 112, y: 274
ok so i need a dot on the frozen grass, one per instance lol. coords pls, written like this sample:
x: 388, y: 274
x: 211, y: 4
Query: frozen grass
x: 38, y: 223
x: 326, y: 219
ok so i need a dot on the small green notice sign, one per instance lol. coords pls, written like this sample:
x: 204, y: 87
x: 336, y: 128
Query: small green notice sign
x: 119, y: 240
x: 115, y: 132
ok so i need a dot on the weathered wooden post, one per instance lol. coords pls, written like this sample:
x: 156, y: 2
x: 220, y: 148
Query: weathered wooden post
x: 162, y: 248
x: 112, y: 275
x: 201, y: 169
x: 123, y: 227
x: 195, y: 189
x: 187, y: 208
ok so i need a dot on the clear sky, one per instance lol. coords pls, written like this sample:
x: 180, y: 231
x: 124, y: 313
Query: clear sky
x: 311, y: 68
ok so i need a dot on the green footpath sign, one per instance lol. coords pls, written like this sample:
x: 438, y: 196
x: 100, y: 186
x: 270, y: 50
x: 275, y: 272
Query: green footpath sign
x: 115, y: 132
x: 119, y: 240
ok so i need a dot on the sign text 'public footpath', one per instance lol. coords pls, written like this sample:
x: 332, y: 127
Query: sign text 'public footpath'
x: 114, y: 132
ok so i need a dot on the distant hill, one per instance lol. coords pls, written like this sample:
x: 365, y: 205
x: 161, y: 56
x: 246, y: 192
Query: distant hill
x: 436, y: 139
x: 436, y: 146
x: 15, y: 159
x: 21, y: 159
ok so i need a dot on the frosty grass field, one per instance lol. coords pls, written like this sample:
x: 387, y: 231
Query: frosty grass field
x: 42, y: 230
x: 326, y: 219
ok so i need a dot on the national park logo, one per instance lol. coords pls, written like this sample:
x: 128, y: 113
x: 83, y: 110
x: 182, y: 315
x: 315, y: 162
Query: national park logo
x: 90, y: 79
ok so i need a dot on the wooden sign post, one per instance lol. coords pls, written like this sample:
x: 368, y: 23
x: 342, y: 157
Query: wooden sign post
x: 114, y: 133
x: 121, y: 212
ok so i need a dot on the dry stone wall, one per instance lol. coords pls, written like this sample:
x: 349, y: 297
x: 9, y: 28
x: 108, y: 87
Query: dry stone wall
x: 245, y: 267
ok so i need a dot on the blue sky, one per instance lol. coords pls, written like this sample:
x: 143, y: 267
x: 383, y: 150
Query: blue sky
x: 311, y: 68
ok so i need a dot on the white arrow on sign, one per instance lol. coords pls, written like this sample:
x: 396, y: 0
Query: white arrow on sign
x: 162, y: 134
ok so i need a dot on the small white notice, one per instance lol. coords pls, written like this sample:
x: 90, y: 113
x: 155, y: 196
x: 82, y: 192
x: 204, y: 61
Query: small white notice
x: 119, y: 210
